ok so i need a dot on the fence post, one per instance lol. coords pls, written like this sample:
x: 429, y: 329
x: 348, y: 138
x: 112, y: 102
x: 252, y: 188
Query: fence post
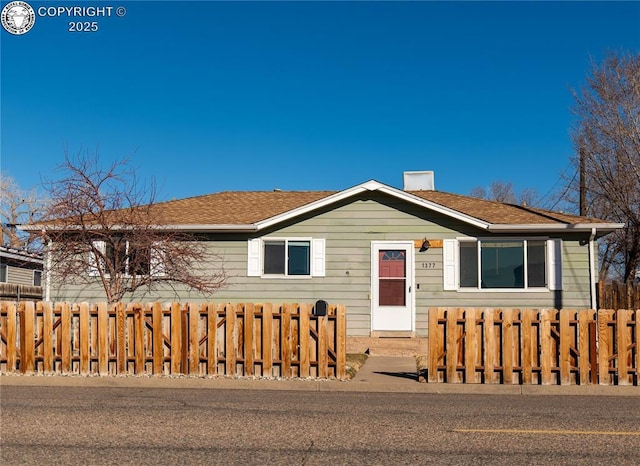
x: 65, y: 337
x: 285, y: 340
x: 604, y: 346
x: 489, y: 346
x: 249, y: 312
x: 526, y: 319
x: 176, y: 337
x: 12, y: 348
x: 85, y: 356
x: 508, y: 346
x: 212, y: 330
x: 230, y: 346
x: 121, y: 355
x: 138, y: 335
x: 452, y: 345
x: 184, y: 339
x: 435, y: 343
x: 471, y: 345
x: 103, y: 338
x: 565, y: 354
x: 267, y: 340
x: 545, y: 346
x: 583, y: 346
x: 303, y: 353
x: 47, y: 336
x: 622, y: 345
x: 341, y: 344
x: 27, y: 343
x: 194, y: 339
x: 158, y: 338
x: 323, y: 359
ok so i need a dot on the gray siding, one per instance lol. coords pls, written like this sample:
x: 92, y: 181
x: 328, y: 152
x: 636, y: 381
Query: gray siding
x: 349, y: 228
x: 19, y: 275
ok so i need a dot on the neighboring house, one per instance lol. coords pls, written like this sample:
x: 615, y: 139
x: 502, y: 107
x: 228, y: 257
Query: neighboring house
x: 20, y: 274
x: 387, y: 254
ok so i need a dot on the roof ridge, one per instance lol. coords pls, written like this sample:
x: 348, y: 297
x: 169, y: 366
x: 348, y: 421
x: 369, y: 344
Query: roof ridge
x: 200, y: 196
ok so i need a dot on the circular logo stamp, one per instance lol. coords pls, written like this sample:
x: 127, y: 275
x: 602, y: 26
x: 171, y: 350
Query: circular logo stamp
x: 17, y: 17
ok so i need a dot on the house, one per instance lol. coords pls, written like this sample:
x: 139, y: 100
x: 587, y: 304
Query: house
x: 20, y: 274
x: 387, y: 254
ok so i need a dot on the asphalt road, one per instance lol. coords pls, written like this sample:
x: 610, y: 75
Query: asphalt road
x: 116, y: 425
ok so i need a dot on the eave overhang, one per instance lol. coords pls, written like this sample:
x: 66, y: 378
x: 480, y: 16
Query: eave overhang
x: 601, y: 228
x: 22, y: 257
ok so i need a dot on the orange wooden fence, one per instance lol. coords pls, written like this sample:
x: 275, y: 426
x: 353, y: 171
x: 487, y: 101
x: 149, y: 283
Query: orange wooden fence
x: 512, y: 346
x: 247, y: 339
x: 616, y: 295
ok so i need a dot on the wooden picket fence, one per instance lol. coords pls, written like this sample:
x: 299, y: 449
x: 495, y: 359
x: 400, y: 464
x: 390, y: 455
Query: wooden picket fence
x: 512, y: 346
x: 265, y: 340
x: 615, y: 295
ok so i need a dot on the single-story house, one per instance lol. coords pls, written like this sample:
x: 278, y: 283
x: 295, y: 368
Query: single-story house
x: 20, y: 274
x: 387, y: 254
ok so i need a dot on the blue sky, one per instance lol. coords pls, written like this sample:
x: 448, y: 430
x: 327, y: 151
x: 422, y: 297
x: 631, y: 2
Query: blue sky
x: 214, y: 96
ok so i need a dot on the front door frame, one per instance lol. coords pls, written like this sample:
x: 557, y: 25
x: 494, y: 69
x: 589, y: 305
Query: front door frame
x: 407, y: 246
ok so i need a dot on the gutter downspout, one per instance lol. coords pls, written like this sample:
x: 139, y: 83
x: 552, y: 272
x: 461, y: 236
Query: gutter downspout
x: 592, y: 269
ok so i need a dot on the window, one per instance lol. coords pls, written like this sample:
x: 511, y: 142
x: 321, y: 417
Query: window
x: 37, y: 278
x: 3, y: 273
x: 127, y: 258
x: 502, y: 264
x: 286, y: 257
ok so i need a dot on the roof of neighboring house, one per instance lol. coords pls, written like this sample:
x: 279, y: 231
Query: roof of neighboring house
x: 21, y: 255
x: 254, y: 210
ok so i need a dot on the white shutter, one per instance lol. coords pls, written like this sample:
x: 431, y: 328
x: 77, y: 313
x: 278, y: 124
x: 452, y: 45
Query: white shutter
x: 157, y: 266
x: 554, y: 267
x: 253, y: 257
x: 450, y: 264
x: 317, y: 257
x: 93, y: 260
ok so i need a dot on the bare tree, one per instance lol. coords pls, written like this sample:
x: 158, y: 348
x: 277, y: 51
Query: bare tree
x: 18, y: 206
x: 607, y: 143
x: 504, y: 192
x: 103, y: 226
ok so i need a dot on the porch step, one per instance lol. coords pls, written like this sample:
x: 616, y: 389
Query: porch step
x: 406, y: 347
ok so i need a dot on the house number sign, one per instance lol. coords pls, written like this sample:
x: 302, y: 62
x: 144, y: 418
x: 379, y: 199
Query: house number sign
x: 428, y: 265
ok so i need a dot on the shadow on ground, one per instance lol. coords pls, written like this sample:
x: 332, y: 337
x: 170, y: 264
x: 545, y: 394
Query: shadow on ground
x: 403, y: 375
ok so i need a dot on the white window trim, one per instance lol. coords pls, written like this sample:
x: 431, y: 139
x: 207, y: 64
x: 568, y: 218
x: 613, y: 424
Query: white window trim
x: 255, y: 257
x: 156, y: 261
x: 451, y: 266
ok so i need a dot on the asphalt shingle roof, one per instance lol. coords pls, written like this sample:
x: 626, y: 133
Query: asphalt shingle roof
x: 234, y: 207
x: 247, y: 207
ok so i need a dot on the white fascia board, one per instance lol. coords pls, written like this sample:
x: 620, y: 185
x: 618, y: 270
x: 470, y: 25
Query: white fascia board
x: 210, y: 228
x: 554, y: 227
x: 368, y: 186
x: 29, y: 227
x: 22, y: 257
x: 186, y: 227
x: 372, y: 185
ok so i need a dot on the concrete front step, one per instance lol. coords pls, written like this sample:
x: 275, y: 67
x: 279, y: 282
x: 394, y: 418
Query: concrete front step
x: 388, y: 346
